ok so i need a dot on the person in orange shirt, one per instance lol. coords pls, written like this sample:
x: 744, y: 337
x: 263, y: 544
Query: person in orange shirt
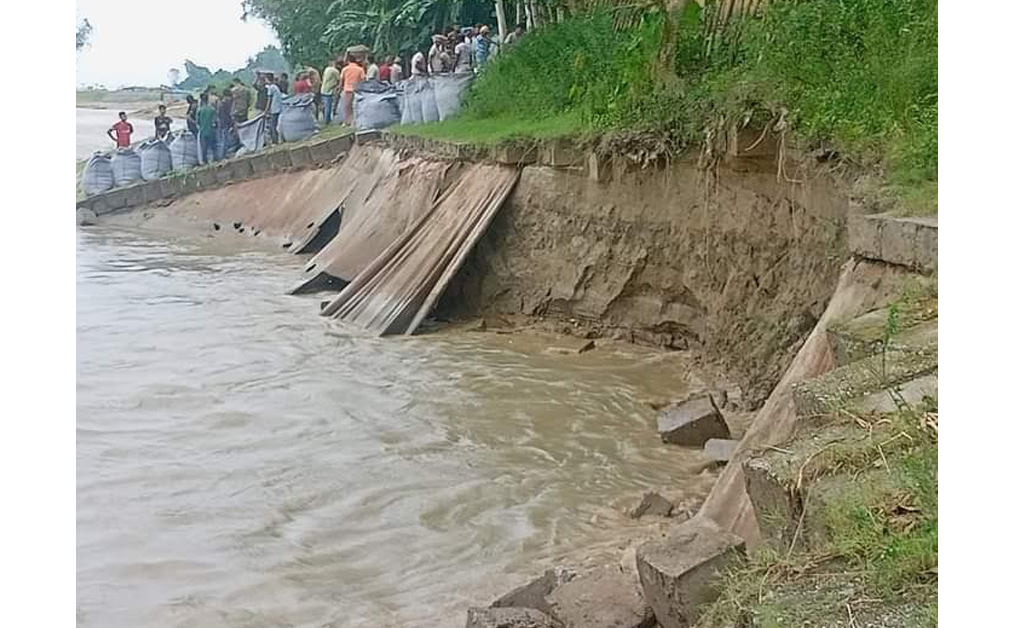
x: 350, y: 76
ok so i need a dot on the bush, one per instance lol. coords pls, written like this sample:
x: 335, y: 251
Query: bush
x: 861, y: 75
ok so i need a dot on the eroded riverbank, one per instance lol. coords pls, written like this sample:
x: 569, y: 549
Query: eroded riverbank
x: 242, y: 461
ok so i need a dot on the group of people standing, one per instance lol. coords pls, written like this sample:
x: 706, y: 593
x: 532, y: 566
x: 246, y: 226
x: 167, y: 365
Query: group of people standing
x: 343, y: 75
x: 461, y: 51
x: 213, y: 117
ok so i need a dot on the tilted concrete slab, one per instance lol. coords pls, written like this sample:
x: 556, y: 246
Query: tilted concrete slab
x: 911, y: 242
x: 678, y: 573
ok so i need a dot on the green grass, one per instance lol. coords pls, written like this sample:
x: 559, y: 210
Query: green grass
x: 859, y: 76
x: 880, y: 541
x: 498, y: 130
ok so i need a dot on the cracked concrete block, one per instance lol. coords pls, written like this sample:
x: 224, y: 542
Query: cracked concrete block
x: 241, y: 168
x: 534, y: 593
x: 300, y: 157
x: 340, y: 145
x: 678, y: 573
x: 603, y: 598
x: 864, y: 236
x: 260, y: 164
x: 321, y: 152
x: 280, y: 159
x: 692, y: 422
x: 153, y: 191
x: 927, y: 251
x: 897, y: 241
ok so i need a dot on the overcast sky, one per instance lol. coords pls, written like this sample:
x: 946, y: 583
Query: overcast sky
x: 138, y: 41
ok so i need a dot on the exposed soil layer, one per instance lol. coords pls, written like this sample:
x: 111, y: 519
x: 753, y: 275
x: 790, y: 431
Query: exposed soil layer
x: 737, y: 262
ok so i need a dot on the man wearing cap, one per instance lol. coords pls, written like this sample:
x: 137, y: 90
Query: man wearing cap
x: 482, y: 46
x: 436, y: 54
x: 464, y: 53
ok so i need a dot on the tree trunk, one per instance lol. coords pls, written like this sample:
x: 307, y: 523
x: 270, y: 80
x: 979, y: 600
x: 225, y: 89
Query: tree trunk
x: 529, y: 15
x: 519, y: 12
x: 499, y: 9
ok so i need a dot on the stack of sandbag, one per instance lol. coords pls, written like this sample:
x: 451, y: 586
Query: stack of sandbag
x: 184, y: 150
x: 449, y: 92
x: 298, y: 118
x: 125, y: 167
x: 97, y: 175
x: 252, y: 134
x: 155, y: 159
x: 419, y: 103
x: 375, y: 105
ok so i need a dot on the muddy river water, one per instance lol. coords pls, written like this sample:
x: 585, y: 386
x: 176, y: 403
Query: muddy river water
x: 242, y: 461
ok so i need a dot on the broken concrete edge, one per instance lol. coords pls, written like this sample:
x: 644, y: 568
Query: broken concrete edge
x: 909, y: 242
x: 534, y: 593
x: 691, y: 422
x: 317, y: 154
x: 679, y: 574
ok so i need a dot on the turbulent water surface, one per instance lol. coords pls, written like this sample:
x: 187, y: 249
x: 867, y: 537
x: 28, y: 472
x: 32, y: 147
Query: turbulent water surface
x: 244, y: 462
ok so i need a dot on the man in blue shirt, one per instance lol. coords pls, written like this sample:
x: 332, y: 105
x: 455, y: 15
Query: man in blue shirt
x: 482, y: 47
x: 274, y: 98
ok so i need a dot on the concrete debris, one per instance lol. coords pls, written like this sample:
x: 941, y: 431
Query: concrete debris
x: 589, y: 346
x: 692, y: 422
x: 509, y: 618
x: 534, y: 593
x: 652, y: 504
x: 678, y: 573
x: 603, y: 598
x: 720, y: 449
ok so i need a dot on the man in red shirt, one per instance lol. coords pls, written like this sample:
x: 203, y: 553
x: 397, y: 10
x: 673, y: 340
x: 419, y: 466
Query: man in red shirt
x: 121, y: 131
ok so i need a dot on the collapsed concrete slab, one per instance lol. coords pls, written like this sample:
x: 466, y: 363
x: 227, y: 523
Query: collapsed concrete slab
x: 652, y: 504
x: 720, y: 449
x: 534, y: 593
x: 692, y: 422
x: 678, y: 573
x: 603, y: 598
x: 509, y: 618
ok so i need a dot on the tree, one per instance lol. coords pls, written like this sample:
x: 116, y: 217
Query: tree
x: 312, y: 30
x: 83, y: 33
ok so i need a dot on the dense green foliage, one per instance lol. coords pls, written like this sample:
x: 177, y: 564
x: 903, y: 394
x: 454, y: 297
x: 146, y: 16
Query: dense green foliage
x: 311, y: 31
x: 860, y: 76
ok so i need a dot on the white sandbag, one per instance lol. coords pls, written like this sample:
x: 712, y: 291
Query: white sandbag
x: 184, y: 149
x: 97, y: 175
x: 342, y: 106
x: 449, y: 92
x: 298, y: 118
x: 375, y: 105
x: 429, y: 107
x: 410, y: 105
x: 125, y: 167
x: 155, y: 159
x: 252, y: 134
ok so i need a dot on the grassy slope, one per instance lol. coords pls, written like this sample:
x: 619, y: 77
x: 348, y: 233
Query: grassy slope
x: 859, y: 76
x: 882, y: 548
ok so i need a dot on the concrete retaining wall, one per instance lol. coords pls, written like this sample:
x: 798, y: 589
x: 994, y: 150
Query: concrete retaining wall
x: 313, y: 154
x: 910, y: 242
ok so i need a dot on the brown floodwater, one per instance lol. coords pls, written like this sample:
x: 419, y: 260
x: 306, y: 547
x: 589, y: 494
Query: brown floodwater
x: 242, y: 461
